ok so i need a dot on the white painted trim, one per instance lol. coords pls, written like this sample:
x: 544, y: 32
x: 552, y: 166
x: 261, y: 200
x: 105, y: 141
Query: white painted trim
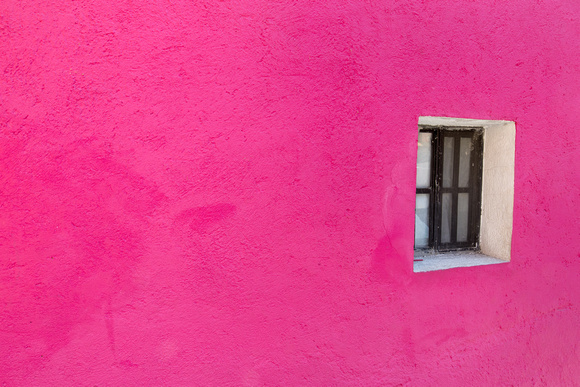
x: 452, y: 260
x: 497, y: 199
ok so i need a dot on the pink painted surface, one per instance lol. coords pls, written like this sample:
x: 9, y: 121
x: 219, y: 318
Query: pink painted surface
x: 222, y: 193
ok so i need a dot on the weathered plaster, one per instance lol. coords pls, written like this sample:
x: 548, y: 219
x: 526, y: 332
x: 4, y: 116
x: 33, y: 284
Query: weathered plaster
x: 451, y: 260
x: 497, y: 196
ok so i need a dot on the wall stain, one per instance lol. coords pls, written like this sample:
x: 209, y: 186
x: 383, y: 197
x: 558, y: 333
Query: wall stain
x: 199, y: 219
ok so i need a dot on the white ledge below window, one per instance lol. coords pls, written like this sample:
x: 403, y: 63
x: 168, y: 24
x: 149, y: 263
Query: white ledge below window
x: 432, y: 261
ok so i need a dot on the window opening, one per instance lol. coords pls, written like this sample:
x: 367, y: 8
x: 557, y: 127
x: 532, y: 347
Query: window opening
x: 448, y: 188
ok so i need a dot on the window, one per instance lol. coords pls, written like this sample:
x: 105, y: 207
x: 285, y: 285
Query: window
x: 465, y: 192
x: 448, y: 188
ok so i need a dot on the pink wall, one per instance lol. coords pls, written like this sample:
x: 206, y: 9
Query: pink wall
x: 222, y: 193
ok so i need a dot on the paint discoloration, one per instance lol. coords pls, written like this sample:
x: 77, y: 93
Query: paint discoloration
x: 199, y: 219
x: 222, y: 193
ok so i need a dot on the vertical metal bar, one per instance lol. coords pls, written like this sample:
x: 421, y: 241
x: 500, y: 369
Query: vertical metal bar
x: 476, y: 187
x: 437, y: 181
x: 455, y: 185
x: 470, y: 185
x: 432, y: 210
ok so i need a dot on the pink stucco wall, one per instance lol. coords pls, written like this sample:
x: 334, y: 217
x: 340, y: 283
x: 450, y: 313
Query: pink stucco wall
x: 221, y: 193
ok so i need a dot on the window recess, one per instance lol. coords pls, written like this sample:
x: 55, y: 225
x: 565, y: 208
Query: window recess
x: 464, y: 192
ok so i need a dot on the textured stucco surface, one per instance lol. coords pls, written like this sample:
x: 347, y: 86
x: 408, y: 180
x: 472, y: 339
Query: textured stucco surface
x: 221, y: 193
x: 497, y: 192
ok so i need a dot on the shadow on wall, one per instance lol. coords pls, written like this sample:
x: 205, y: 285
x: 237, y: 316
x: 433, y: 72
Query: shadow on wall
x: 392, y: 258
x: 77, y: 247
x: 388, y: 265
x: 199, y: 219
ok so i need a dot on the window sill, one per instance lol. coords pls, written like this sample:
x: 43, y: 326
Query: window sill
x: 430, y: 261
